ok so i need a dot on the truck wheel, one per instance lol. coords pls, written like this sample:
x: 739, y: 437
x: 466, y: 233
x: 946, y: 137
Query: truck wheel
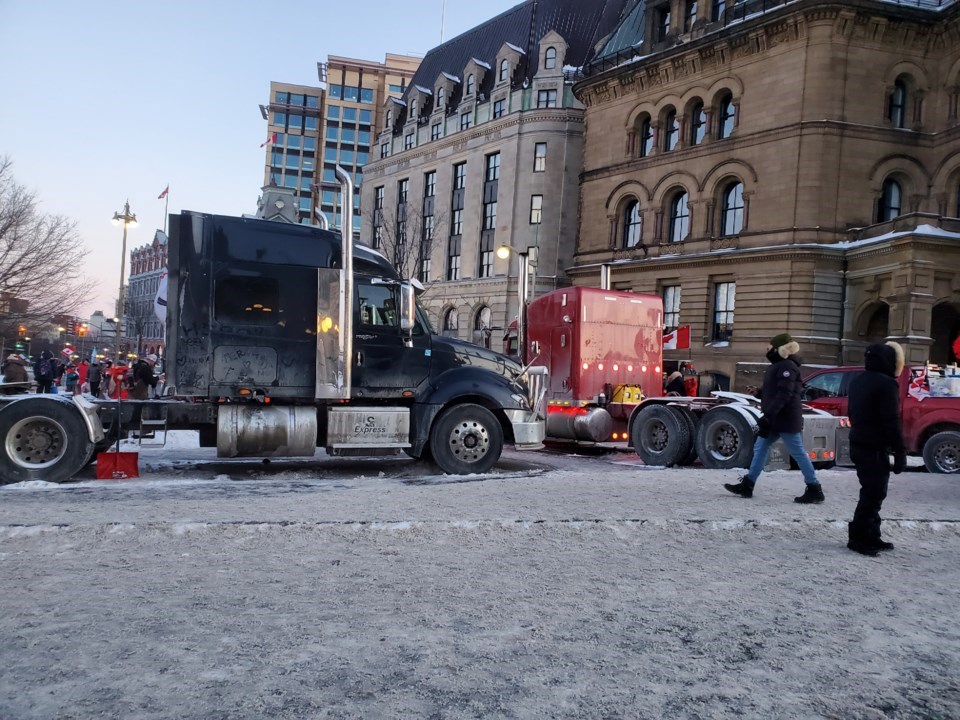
x: 42, y: 440
x: 661, y: 436
x: 466, y: 439
x: 724, y: 439
x: 691, y: 421
x: 941, y: 453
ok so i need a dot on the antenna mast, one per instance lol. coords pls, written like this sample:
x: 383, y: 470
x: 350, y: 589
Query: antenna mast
x: 443, y: 12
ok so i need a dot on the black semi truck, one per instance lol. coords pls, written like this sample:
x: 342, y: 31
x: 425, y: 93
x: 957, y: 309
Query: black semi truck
x: 281, y: 339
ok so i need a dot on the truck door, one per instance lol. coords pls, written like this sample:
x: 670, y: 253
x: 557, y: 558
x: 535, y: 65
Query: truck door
x: 383, y: 364
x: 827, y: 391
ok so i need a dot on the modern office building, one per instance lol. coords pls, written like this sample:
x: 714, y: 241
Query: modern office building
x: 484, y: 150
x: 779, y: 167
x: 311, y: 129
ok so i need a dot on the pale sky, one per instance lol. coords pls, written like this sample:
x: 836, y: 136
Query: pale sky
x: 102, y: 101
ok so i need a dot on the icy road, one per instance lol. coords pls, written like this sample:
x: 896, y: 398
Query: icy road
x: 555, y: 587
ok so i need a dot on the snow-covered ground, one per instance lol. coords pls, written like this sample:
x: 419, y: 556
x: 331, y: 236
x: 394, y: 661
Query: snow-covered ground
x: 556, y: 587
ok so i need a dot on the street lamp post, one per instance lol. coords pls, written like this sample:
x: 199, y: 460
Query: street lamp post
x: 129, y: 220
x: 524, y: 257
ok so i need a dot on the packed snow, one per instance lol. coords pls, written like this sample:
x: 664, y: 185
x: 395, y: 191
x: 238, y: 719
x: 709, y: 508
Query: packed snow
x: 557, y: 586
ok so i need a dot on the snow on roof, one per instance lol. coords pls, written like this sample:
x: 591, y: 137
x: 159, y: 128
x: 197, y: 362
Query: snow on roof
x: 516, y: 49
x: 924, y: 229
x: 481, y: 63
x: 448, y: 76
x: 424, y: 90
x: 398, y: 101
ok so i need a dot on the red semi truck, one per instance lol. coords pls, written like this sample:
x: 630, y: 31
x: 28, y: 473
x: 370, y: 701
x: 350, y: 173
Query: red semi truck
x: 929, y: 407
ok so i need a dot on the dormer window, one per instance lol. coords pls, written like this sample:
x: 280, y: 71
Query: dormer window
x: 441, y: 98
x: 471, y: 81
x: 413, y: 108
x: 504, y: 70
x: 550, y: 58
x: 389, y: 121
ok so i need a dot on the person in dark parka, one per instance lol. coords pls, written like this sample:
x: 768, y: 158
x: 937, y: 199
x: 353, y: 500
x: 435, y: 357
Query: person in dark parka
x: 675, y: 384
x: 875, y: 432
x: 780, y: 401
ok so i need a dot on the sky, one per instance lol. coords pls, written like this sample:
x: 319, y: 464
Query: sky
x: 106, y: 101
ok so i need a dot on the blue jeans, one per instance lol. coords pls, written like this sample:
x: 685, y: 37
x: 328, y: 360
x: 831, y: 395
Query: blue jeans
x: 794, y: 443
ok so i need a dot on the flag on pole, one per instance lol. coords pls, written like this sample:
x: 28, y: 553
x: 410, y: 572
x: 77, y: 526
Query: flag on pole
x: 160, y: 301
x: 162, y: 195
x: 678, y: 339
x: 272, y: 140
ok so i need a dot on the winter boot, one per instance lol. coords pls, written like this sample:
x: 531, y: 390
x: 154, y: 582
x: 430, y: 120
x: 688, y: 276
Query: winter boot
x: 744, y: 488
x: 812, y: 494
x: 883, y: 545
x: 859, y: 544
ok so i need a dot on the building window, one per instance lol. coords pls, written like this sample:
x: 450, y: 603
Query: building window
x: 459, y: 176
x: 550, y: 58
x: 890, y: 201
x: 718, y: 7
x: 671, y: 307
x: 435, y: 131
x: 498, y: 108
x: 408, y: 141
x: 453, y: 258
x: 690, y: 16
x: 663, y: 23
x: 493, y: 168
x: 728, y: 112
x: 403, y: 188
x: 679, y: 217
x: 450, y: 322
x: 646, y: 137
x: 426, y: 247
x: 377, y: 214
x: 897, y: 112
x: 490, y: 215
x: 430, y: 184
x: 724, y: 300
x: 481, y: 327
x: 731, y: 220
x: 456, y: 222
x: 632, y: 225
x: 466, y: 120
x: 504, y: 70
x: 539, y: 157
x: 536, y: 209
x: 470, y: 84
x: 388, y: 123
x: 413, y: 108
x: 546, y: 98
x: 698, y: 124
x: 671, y: 134
x: 441, y: 98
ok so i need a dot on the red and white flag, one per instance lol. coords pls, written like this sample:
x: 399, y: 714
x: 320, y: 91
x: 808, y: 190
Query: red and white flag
x: 67, y: 351
x: 919, y: 388
x: 162, y: 195
x: 272, y: 140
x: 678, y: 339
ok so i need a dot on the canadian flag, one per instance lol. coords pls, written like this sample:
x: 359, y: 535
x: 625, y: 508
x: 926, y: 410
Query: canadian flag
x: 67, y: 351
x: 162, y: 195
x: 272, y: 140
x: 678, y: 339
x: 918, y: 386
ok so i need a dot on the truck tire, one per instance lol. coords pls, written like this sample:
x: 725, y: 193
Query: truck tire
x: 691, y: 421
x: 42, y: 440
x: 724, y: 439
x: 941, y: 453
x: 661, y: 436
x: 466, y: 439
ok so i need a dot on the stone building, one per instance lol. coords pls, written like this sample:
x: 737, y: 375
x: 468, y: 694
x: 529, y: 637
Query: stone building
x: 770, y: 167
x: 484, y: 151
x: 144, y: 331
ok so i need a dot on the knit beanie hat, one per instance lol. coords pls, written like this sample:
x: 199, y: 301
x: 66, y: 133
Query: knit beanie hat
x: 780, y: 340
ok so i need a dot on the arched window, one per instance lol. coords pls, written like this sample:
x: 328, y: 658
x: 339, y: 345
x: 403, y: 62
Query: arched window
x: 731, y: 218
x: 481, y: 327
x: 897, y: 111
x: 470, y: 82
x: 450, y: 322
x: 890, y: 200
x: 504, y: 70
x: 679, y: 217
x: 727, y: 117
x: 646, y: 137
x: 550, y: 58
x: 389, y: 120
x: 441, y: 98
x: 632, y: 224
x: 413, y: 107
x: 698, y: 124
x: 671, y: 131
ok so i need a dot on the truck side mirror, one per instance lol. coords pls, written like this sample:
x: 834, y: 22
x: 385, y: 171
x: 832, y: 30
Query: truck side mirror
x: 408, y: 311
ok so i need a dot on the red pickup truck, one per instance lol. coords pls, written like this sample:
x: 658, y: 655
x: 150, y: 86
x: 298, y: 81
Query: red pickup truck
x: 931, y: 424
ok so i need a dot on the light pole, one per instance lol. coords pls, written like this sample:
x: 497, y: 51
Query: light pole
x: 129, y: 220
x: 524, y: 257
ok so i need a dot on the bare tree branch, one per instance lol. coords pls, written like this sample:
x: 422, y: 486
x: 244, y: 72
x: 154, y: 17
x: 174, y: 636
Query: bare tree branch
x: 406, y: 245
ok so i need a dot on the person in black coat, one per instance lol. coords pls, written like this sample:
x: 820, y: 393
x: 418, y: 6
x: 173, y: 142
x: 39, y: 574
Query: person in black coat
x: 780, y: 401
x: 874, y: 410
x: 675, y: 384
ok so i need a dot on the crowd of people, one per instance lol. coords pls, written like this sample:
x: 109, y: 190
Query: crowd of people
x: 136, y: 380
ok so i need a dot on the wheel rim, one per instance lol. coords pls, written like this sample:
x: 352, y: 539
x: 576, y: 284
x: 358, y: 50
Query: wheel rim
x: 723, y: 441
x: 656, y: 438
x: 36, y: 442
x: 948, y: 457
x: 469, y: 441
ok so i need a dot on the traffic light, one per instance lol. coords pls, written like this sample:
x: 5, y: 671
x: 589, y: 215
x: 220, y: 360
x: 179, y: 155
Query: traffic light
x: 82, y: 330
x: 71, y: 327
x: 22, y: 330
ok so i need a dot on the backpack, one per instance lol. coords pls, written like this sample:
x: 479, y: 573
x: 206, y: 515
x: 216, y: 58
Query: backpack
x: 46, y: 368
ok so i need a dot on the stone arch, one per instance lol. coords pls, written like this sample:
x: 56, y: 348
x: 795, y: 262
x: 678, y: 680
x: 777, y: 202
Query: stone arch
x: 666, y: 101
x: 944, y: 329
x: 916, y: 74
x: 669, y: 182
x: 873, y: 322
x: 946, y: 185
x: 727, y: 167
x: 481, y: 327
x: 730, y: 83
x: 628, y: 187
x: 450, y: 321
x: 638, y: 111
x: 692, y: 94
x: 904, y: 165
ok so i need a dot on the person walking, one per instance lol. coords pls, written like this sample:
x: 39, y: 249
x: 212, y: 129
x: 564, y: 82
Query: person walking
x: 875, y: 432
x: 782, y: 418
x: 45, y: 372
x: 94, y: 377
